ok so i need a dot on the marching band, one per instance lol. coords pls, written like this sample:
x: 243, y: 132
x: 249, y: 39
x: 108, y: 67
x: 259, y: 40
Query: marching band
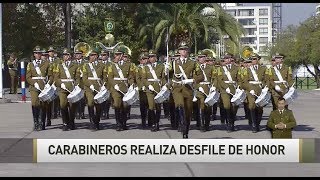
x: 190, y: 87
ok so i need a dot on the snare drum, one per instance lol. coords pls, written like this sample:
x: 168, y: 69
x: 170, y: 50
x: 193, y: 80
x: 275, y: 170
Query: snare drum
x: 162, y: 96
x: 263, y: 99
x: 76, y: 95
x: 238, y: 97
x: 102, y: 96
x: 291, y: 95
x: 47, y: 95
x: 131, y: 97
x: 212, y: 98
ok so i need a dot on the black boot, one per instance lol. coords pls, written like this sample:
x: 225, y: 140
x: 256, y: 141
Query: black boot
x: 49, y: 113
x: 197, y: 115
x: 153, y: 118
x: 183, y: 121
x: 149, y: 119
x: 72, y: 117
x: 128, y: 109
x: 118, y: 119
x: 124, y: 118
x: 177, y: 119
x: 97, y: 117
x: 223, y: 115
x: 158, y: 114
x: 64, y: 115
x: 229, y: 120
x: 43, y: 115
x: 143, y: 112
x: 35, y: 113
x: 202, y: 120
x: 91, y: 117
x: 252, y: 114
x: 108, y: 104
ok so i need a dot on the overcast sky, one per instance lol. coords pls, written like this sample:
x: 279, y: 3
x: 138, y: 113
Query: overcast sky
x: 293, y: 13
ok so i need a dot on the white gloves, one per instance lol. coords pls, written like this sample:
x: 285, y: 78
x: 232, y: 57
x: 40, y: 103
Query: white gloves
x: 136, y: 88
x: 116, y: 87
x: 277, y: 88
x: 102, y: 88
x: 63, y: 86
x: 130, y: 88
x: 228, y: 90
x: 291, y: 89
x: 212, y: 89
x: 252, y: 92
x: 164, y: 88
x: 143, y: 88
x: 36, y: 85
x: 150, y: 87
x: 47, y: 86
x: 92, y: 87
x: 201, y: 89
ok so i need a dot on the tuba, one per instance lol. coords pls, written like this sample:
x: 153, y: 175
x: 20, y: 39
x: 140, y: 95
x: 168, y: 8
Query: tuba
x: 99, y: 45
x: 84, y: 47
x: 246, y: 52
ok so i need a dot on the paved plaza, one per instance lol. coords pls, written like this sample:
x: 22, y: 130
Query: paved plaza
x: 16, y: 122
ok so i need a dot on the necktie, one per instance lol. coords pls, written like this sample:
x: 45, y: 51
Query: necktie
x: 256, y: 67
x: 38, y: 62
x: 280, y: 112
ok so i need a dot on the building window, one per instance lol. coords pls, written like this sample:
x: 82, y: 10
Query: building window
x: 263, y: 21
x: 263, y: 40
x: 246, y: 12
x: 263, y: 12
x: 250, y: 31
x: 231, y: 12
x: 246, y: 21
x: 263, y: 31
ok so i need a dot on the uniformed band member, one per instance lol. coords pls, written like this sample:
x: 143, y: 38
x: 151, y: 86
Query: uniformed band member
x: 56, y: 102
x: 120, y: 77
x: 182, y: 84
x: 227, y: 79
x: 280, y: 79
x: 153, y: 79
x: 94, y: 74
x: 37, y: 73
x: 142, y: 88
x: 253, y: 82
x: 66, y: 79
x: 281, y: 121
x: 78, y: 58
x: 13, y: 72
x: 206, y: 83
x: 105, y: 105
x: 126, y: 59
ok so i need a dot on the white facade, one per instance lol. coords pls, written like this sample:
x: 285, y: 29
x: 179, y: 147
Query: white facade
x: 318, y: 9
x: 257, y: 22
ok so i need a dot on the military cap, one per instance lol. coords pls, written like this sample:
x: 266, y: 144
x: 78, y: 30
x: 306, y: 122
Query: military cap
x: 104, y: 52
x: 66, y: 51
x: 183, y: 45
x: 210, y: 57
x: 94, y: 51
x: 78, y: 51
x: 176, y: 52
x: 228, y: 55
x: 255, y: 56
x: 200, y: 53
x: 272, y: 59
x: 44, y: 52
x: 50, y: 48
x: 152, y: 52
x: 37, y: 49
x: 119, y: 50
x: 278, y: 55
x: 248, y: 60
x: 144, y: 55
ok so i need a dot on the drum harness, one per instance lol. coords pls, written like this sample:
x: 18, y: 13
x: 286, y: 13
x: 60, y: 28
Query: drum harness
x: 255, y: 77
x: 120, y: 75
x: 230, y: 81
x: 154, y: 75
x: 94, y: 74
x: 66, y: 70
x: 280, y: 78
x: 36, y: 66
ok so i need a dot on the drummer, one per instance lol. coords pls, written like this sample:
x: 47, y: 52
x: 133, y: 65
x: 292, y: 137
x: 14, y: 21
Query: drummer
x: 228, y: 86
x: 36, y: 75
x: 105, y: 106
x: 142, y: 88
x: 93, y: 78
x: 253, y: 82
x: 120, y: 77
x: 78, y: 58
x: 153, y: 79
x: 279, y: 83
x: 203, y: 78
